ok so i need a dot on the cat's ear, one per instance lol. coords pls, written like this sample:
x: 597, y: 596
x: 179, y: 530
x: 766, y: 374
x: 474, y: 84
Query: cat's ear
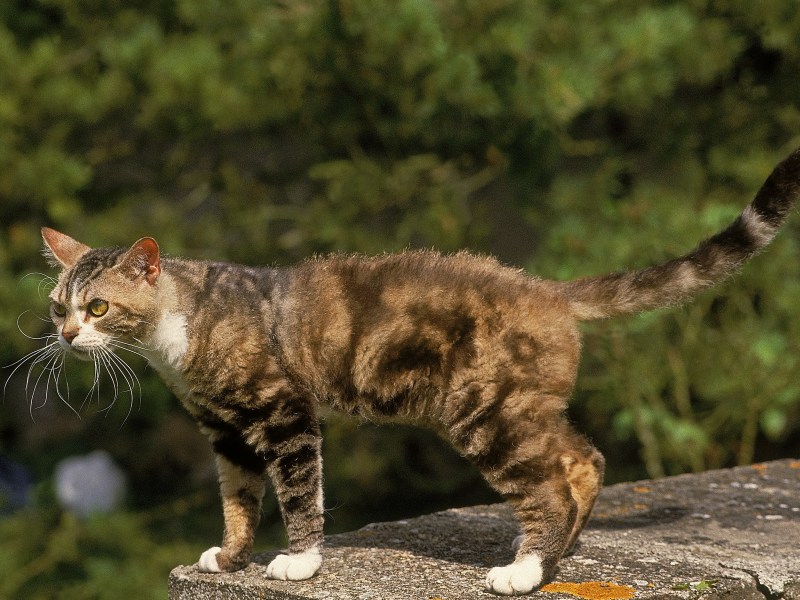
x: 143, y: 259
x: 60, y: 249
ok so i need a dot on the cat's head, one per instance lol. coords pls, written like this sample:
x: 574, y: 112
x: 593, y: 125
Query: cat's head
x: 104, y: 296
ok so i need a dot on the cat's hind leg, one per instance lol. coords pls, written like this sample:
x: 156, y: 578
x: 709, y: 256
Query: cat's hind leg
x: 546, y: 512
x: 515, y: 439
x: 584, y: 467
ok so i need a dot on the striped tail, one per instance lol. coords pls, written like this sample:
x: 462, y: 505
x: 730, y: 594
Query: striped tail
x: 712, y: 261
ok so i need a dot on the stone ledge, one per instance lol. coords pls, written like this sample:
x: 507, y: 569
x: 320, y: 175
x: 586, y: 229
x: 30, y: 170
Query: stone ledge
x: 721, y: 534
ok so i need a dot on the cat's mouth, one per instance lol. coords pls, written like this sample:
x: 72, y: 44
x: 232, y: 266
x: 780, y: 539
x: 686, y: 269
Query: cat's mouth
x: 81, y: 354
x: 82, y: 350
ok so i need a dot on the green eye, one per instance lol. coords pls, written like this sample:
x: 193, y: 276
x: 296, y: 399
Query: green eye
x: 59, y: 310
x: 97, y: 308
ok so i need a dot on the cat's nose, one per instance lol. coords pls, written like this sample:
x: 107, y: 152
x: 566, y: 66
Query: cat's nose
x: 69, y: 334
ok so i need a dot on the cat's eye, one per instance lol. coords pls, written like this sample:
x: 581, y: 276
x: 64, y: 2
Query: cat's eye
x: 58, y: 309
x: 97, y: 308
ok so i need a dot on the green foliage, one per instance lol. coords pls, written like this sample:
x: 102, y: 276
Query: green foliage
x: 569, y: 138
x: 55, y: 555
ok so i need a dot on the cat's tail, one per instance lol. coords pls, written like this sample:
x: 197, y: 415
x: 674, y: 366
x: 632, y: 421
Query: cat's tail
x: 712, y: 261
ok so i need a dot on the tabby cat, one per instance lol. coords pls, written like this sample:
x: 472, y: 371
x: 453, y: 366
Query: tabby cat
x: 485, y: 354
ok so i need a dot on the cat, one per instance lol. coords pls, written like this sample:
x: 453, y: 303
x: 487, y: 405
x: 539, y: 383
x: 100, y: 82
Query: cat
x: 485, y: 354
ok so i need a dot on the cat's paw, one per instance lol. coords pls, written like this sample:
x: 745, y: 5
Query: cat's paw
x: 208, y: 561
x: 520, y: 577
x: 295, y: 566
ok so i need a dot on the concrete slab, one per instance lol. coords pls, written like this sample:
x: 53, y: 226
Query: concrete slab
x: 731, y: 534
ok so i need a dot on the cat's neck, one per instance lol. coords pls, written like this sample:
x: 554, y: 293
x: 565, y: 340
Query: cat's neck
x: 170, y: 339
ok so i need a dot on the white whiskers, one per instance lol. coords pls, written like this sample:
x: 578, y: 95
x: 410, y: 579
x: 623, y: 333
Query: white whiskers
x: 46, y: 367
x: 47, y: 363
x: 45, y: 281
x: 116, y: 369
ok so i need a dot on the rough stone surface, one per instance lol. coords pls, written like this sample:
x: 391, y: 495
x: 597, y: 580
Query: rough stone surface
x: 731, y: 534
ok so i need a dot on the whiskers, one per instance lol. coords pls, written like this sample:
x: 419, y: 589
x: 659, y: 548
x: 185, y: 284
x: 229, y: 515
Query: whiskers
x: 48, y: 363
x: 47, y: 375
x: 46, y: 282
x: 123, y: 378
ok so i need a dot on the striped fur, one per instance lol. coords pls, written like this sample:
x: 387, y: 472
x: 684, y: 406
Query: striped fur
x: 483, y: 353
x: 711, y: 262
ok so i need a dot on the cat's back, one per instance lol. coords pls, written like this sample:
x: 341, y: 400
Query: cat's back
x: 365, y: 279
x: 415, y: 282
x: 328, y: 302
x: 354, y: 326
x: 420, y: 270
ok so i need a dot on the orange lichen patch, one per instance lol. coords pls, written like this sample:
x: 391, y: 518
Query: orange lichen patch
x: 640, y: 506
x: 592, y: 590
x: 760, y: 468
x: 641, y: 489
x: 795, y: 464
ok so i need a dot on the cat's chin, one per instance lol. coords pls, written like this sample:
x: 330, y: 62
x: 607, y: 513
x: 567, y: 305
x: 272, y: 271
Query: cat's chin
x: 80, y: 354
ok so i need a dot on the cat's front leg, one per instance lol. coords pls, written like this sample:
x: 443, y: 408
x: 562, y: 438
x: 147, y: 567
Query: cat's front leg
x: 242, y: 490
x: 296, y: 473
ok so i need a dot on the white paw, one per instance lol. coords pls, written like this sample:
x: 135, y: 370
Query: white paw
x: 520, y: 577
x: 208, y: 561
x: 295, y: 566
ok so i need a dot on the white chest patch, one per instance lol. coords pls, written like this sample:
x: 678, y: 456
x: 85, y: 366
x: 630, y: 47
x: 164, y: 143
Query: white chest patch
x: 170, y: 338
x: 168, y: 345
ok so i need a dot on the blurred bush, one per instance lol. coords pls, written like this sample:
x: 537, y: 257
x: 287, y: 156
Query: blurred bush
x: 568, y: 138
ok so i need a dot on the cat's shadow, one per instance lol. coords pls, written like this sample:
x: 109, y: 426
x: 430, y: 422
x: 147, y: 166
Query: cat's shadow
x: 479, y: 537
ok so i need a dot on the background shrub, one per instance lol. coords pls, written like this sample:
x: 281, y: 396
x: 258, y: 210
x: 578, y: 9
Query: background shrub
x: 566, y: 138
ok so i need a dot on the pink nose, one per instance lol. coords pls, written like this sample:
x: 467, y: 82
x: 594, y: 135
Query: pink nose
x: 69, y: 335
